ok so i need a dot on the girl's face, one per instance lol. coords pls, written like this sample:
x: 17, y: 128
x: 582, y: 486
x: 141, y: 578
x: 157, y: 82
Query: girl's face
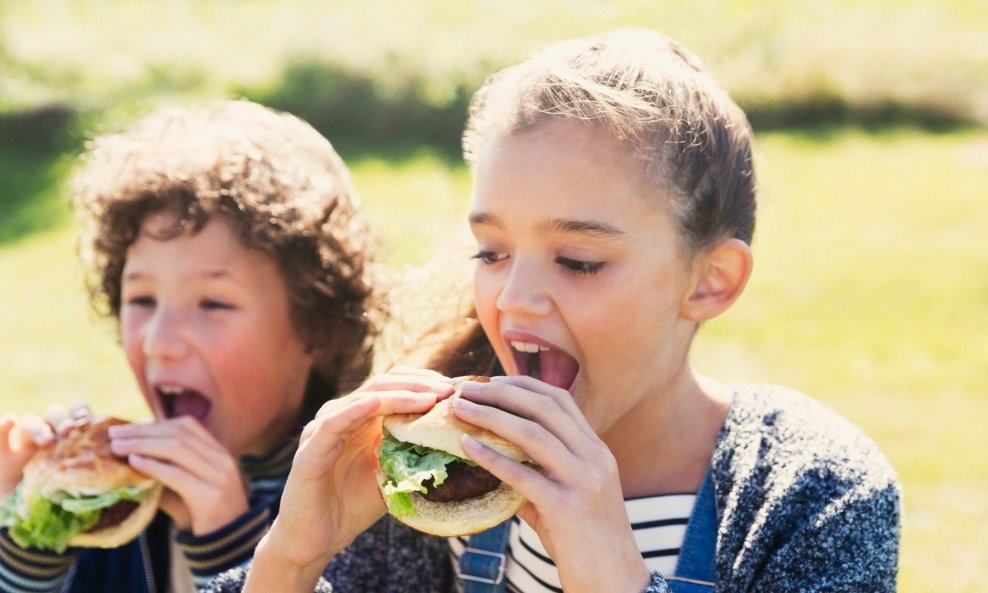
x: 206, y: 329
x: 580, y: 278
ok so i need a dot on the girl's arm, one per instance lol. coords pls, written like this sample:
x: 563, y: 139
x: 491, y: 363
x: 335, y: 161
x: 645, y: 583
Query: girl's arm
x: 331, y: 495
x: 575, y: 502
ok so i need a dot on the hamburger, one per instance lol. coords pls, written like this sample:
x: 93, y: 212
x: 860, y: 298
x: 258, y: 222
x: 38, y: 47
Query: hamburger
x: 429, y: 484
x: 76, y: 493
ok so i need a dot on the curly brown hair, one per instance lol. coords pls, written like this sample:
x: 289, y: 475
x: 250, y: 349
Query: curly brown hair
x: 286, y: 193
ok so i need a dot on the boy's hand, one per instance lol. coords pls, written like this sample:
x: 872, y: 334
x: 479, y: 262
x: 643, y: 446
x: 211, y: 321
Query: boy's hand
x: 332, y: 494
x: 204, y: 487
x: 575, y: 503
x: 20, y: 438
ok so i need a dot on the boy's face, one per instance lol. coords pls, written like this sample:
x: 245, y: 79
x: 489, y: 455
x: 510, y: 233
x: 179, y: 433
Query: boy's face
x: 578, y: 261
x: 206, y: 329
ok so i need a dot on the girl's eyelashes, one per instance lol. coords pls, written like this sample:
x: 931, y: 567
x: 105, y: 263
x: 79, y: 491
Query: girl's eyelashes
x: 488, y: 257
x: 214, y: 305
x: 581, y: 267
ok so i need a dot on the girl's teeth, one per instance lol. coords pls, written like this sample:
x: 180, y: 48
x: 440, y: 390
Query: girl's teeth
x: 528, y: 347
x: 170, y: 390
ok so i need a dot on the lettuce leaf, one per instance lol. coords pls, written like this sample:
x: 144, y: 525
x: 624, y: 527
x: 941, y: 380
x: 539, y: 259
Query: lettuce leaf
x: 406, y: 467
x: 49, y: 524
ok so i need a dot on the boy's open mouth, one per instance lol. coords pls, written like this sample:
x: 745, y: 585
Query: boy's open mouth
x: 548, y: 365
x: 178, y: 401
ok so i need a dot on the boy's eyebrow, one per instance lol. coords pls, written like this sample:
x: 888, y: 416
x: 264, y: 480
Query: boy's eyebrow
x: 591, y: 228
x: 219, y: 274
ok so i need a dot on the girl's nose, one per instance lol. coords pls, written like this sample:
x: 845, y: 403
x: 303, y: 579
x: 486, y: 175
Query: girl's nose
x: 524, y: 291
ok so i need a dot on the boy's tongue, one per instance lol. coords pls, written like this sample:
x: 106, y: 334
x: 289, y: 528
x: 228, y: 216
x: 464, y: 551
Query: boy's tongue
x: 189, y: 404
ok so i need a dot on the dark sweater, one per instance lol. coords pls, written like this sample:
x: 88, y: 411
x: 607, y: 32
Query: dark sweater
x: 805, y: 503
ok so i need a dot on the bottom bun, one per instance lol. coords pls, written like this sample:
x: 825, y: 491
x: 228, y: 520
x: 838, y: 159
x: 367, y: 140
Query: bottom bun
x: 126, y: 530
x: 465, y: 517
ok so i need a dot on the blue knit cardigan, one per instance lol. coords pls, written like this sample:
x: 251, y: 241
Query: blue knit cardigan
x: 805, y: 503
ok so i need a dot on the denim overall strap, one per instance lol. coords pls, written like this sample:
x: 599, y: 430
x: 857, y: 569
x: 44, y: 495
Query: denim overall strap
x: 696, y: 567
x: 481, y: 567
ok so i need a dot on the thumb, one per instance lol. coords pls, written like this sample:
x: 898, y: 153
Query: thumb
x: 173, y: 506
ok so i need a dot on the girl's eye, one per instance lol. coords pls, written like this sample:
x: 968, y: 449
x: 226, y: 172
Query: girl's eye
x: 489, y: 257
x: 581, y: 267
x: 214, y: 305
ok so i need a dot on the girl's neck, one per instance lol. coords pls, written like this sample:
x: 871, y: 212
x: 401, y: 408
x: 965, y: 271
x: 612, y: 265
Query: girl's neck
x: 665, y: 445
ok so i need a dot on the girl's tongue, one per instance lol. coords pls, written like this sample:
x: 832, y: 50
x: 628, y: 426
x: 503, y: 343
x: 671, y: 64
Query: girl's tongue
x: 554, y: 367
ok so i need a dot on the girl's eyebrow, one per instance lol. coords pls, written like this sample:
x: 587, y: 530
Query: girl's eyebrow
x: 590, y: 228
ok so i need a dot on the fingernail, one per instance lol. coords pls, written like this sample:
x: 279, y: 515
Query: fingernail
x: 468, y: 442
x: 470, y: 387
x: 498, y: 379
x: 464, y: 404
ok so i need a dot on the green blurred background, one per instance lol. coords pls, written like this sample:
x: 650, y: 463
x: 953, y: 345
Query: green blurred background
x: 871, y: 282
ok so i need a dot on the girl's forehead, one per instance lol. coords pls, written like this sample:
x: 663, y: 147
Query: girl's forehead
x: 567, y: 171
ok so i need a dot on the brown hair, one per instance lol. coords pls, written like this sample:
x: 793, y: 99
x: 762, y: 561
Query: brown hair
x: 646, y: 89
x: 653, y: 93
x: 277, y: 181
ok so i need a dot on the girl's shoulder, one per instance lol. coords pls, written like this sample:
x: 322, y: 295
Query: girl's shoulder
x: 789, y: 434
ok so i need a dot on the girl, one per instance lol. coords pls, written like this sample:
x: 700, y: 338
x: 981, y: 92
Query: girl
x: 227, y: 242
x: 613, y: 207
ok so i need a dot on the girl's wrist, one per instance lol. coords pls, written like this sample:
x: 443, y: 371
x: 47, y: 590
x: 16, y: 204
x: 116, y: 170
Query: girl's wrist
x: 271, y: 570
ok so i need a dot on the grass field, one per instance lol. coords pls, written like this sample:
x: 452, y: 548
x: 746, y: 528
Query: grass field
x: 870, y: 291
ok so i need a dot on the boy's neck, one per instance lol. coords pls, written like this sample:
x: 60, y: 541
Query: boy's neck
x: 665, y: 446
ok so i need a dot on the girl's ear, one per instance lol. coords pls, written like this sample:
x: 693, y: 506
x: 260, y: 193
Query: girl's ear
x: 720, y: 275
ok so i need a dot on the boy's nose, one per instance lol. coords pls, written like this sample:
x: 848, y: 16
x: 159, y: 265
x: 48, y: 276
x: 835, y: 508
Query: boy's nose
x: 163, y: 337
x: 524, y: 292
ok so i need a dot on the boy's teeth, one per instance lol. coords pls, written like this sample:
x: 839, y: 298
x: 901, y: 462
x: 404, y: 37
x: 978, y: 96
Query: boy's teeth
x: 527, y: 347
x: 170, y: 389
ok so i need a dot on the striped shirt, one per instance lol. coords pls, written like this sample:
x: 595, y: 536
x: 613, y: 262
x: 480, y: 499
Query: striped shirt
x: 658, y: 522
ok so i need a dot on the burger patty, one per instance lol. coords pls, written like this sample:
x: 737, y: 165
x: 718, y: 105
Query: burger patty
x: 462, y: 482
x: 115, y: 514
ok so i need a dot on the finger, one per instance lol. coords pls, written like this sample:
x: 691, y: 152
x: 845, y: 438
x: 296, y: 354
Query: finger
x: 545, y: 448
x: 387, y: 402
x: 561, y: 397
x: 184, y: 428
x: 545, y: 408
x: 37, y: 430
x: 528, y: 481
x: 187, y: 484
x: 414, y: 382
x: 208, y: 465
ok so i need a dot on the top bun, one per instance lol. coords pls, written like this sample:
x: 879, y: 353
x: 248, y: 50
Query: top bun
x: 80, y: 462
x: 440, y: 429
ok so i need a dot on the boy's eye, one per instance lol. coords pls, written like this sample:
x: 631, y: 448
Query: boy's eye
x: 489, y: 257
x: 581, y: 267
x: 140, y: 301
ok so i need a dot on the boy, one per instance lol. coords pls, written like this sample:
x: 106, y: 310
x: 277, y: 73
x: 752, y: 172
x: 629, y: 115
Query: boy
x: 227, y: 242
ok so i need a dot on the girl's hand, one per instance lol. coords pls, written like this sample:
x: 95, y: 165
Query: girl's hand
x: 204, y: 487
x: 20, y: 438
x: 331, y: 495
x: 575, y: 502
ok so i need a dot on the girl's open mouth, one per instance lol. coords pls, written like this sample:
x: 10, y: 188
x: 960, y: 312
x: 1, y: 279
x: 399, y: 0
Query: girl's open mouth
x: 179, y: 401
x: 546, y: 364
